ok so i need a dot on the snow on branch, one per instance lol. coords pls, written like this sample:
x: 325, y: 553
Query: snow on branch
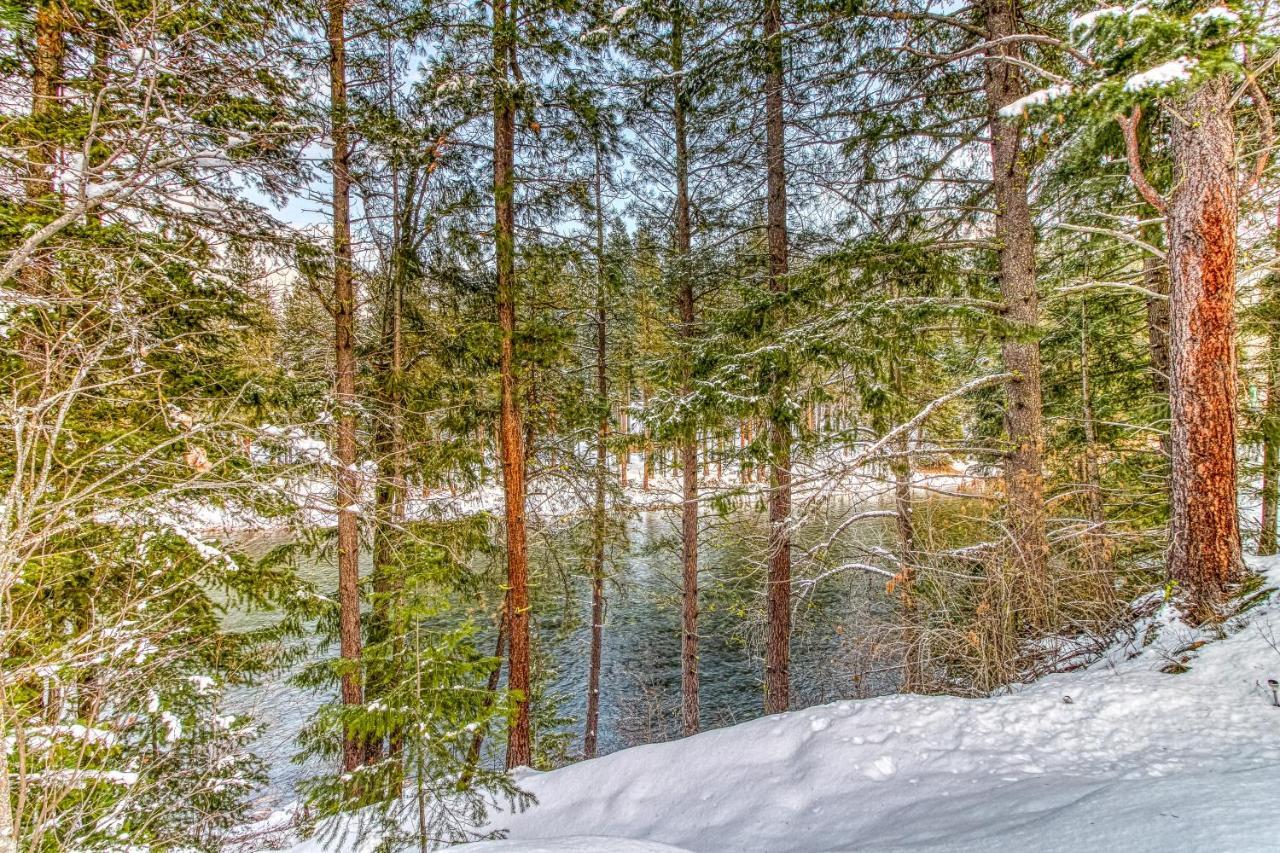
x: 1216, y: 15
x: 1174, y: 71
x: 1035, y: 99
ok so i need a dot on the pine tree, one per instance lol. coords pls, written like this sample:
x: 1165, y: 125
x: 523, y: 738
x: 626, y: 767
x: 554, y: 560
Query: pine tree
x: 135, y: 284
x: 777, y: 689
x: 1201, y: 212
x: 343, y: 306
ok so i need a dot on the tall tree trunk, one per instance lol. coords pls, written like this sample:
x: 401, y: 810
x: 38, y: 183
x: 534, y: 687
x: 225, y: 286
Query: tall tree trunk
x: 511, y: 434
x: 1015, y: 238
x: 41, y: 155
x: 353, y: 751
x: 1204, y: 554
x: 602, y: 471
x: 777, y: 657
x: 689, y: 705
x: 1097, y: 549
x: 46, y: 85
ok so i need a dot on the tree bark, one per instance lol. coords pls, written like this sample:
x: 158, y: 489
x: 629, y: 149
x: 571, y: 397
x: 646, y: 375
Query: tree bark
x: 689, y: 705
x: 599, y: 519
x: 777, y: 667
x: 1015, y: 237
x: 35, y: 276
x: 511, y: 434
x: 1204, y: 554
x: 347, y: 486
x: 46, y: 84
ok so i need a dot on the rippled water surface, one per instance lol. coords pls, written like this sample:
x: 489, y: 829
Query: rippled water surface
x: 640, y: 679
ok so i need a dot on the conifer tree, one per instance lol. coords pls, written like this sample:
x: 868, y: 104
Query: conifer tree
x: 1193, y: 54
x: 778, y: 647
x: 343, y: 306
x: 1015, y: 250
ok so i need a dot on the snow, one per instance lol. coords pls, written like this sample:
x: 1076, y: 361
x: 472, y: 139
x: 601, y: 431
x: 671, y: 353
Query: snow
x: 1086, y: 22
x: 81, y: 777
x: 1215, y: 15
x: 172, y: 725
x: 310, y: 488
x: 207, y: 552
x: 1118, y: 756
x: 1173, y: 71
x: 580, y: 844
x: 202, y: 683
x: 1082, y: 26
x: 1035, y: 99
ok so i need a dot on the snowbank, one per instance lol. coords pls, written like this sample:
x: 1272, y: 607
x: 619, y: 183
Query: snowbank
x: 1121, y: 756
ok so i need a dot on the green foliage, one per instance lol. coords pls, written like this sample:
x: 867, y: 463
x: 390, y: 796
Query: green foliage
x: 427, y: 705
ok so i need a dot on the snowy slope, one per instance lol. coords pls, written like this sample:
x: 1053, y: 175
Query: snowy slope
x: 1118, y: 757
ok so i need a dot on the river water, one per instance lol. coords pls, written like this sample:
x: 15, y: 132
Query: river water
x: 640, y: 676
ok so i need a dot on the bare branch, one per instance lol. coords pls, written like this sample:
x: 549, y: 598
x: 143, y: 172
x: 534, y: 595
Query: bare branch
x: 1267, y: 126
x: 1119, y: 235
x: 1129, y: 126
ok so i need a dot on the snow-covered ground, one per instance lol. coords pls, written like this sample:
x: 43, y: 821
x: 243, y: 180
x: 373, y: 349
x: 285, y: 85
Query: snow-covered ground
x: 1120, y: 756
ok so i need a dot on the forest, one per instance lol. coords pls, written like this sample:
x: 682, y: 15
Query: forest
x: 411, y: 406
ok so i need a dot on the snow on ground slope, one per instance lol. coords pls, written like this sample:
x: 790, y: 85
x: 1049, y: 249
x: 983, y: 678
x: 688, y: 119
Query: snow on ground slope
x: 1121, y: 756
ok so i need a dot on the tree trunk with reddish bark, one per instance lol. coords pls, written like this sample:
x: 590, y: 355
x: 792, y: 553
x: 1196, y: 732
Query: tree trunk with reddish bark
x: 347, y: 486
x: 777, y: 667
x: 689, y: 705
x: 1204, y: 554
x: 511, y: 447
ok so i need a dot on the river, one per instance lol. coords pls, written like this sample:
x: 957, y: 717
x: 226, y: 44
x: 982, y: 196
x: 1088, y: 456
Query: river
x: 640, y: 677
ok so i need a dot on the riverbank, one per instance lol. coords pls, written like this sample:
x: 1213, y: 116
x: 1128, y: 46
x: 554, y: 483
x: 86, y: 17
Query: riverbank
x: 553, y: 496
x: 1168, y: 742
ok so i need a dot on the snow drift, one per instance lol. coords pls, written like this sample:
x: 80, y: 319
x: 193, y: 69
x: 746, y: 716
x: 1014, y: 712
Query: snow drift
x: 1120, y: 756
